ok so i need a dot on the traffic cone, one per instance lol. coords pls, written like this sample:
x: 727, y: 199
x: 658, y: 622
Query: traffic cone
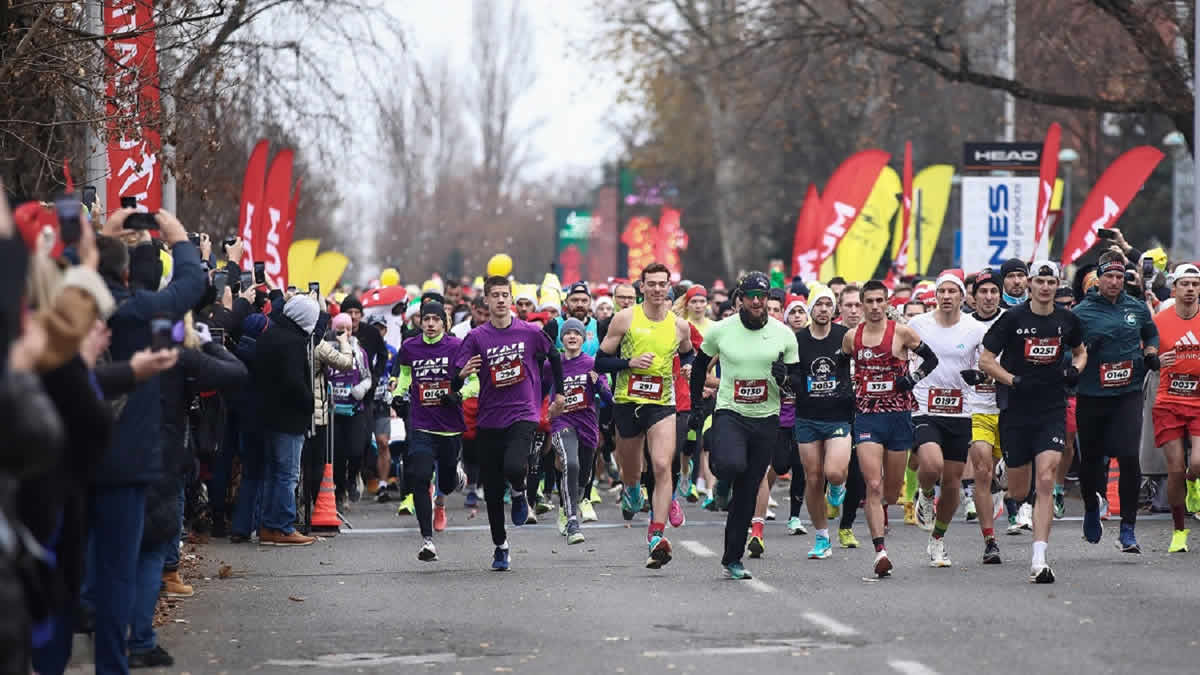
x: 325, y: 516
x: 1113, y: 493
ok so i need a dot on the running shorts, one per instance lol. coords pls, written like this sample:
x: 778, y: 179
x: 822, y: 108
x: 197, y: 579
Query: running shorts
x: 813, y: 431
x: 381, y: 424
x: 1109, y: 426
x: 985, y: 428
x: 634, y: 419
x: 786, y: 453
x: 1072, y: 427
x: 1173, y: 421
x: 952, y: 434
x: 892, y: 430
x: 1024, y: 437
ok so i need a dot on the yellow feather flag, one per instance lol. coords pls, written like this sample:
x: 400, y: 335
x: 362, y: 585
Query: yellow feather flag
x: 859, y: 253
x: 300, y: 263
x: 327, y: 269
x: 1056, y: 198
x: 828, y: 270
x: 934, y: 184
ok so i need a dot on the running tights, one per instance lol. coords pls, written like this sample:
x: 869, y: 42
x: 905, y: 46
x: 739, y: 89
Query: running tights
x: 1093, y: 479
x: 425, y: 450
x: 574, y: 456
x: 503, y: 454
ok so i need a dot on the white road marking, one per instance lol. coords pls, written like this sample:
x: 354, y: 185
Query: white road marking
x: 697, y: 549
x: 911, y: 668
x: 829, y: 624
x: 722, y: 651
x: 364, y: 660
x: 484, y: 527
x: 760, y: 586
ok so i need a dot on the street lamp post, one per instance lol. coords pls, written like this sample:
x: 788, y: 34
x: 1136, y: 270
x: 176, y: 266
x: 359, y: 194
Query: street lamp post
x: 1183, y: 231
x: 1067, y: 157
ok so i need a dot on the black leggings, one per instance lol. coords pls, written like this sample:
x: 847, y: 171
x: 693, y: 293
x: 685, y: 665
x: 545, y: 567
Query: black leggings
x: 313, y: 460
x: 573, y: 456
x: 349, y: 441
x: 424, y: 450
x: 741, y: 452
x: 856, y: 489
x: 787, y: 458
x: 503, y: 456
x: 1110, y: 426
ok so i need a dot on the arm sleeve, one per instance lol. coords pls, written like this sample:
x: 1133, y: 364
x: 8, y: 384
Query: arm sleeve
x: 556, y: 369
x: 610, y: 363
x: 929, y: 360
x: 699, y: 374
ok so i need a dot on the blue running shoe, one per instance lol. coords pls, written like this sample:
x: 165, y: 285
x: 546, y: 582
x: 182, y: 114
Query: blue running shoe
x: 737, y: 572
x: 472, y: 500
x: 507, y: 496
x: 660, y: 552
x: 500, y: 560
x: 631, y: 501
x: 1092, y: 529
x: 520, y: 510
x: 1128, y: 542
x: 837, y: 495
x: 821, y: 549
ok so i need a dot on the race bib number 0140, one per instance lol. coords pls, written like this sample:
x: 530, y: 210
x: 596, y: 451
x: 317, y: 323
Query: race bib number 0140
x: 1118, y: 374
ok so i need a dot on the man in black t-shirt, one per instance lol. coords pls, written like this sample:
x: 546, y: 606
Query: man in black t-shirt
x: 1023, y: 352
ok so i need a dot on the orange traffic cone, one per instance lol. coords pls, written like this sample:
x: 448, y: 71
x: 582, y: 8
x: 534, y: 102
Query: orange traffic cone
x: 325, y: 516
x: 1113, y: 493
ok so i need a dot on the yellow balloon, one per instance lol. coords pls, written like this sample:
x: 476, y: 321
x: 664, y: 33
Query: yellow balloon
x: 389, y: 277
x: 500, y: 265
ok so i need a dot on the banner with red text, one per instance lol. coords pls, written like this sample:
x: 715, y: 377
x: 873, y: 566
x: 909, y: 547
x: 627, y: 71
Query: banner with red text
x: 1049, y: 171
x: 132, y: 105
x: 807, y: 241
x: 252, y: 197
x: 268, y: 226
x: 1108, y: 199
x: 845, y: 195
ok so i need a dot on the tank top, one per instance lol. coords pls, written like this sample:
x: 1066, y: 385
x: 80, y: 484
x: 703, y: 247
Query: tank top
x: 1180, y: 383
x: 653, y: 385
x: 876, y: 370
x: 827, y: 394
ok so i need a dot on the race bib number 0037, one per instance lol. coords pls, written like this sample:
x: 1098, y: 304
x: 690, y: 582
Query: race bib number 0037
x: 1183, y: 385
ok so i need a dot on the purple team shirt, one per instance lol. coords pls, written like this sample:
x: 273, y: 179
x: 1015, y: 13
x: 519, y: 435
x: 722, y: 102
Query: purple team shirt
x: 580, y: 394
x: 509, y: 382
x: 430, y: 365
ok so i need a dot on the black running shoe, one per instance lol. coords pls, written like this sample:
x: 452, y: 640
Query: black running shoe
x: 991, y: 553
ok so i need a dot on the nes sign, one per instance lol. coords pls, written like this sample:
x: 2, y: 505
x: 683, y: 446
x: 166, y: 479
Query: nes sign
x: 1002, y: 156
x: 998, y: 215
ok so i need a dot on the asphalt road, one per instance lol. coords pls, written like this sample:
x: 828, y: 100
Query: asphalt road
x: 362, y: 602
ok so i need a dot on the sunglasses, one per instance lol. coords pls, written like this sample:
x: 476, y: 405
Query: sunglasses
x: 755, y: 295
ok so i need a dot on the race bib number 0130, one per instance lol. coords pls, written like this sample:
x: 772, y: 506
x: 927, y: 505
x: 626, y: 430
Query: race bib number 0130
x: 1042, y: 351
x: 645, y: 386
x: 1118, y: 374
x: 945, y: 401
x: 749, y: 391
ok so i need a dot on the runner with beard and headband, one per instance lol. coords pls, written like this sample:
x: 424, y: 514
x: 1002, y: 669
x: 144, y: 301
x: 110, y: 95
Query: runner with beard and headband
x: 640, y: 346
x: 1023, y: 351
x: 755, y: 355
x: 985, y: 417
x: 824, y: 408
x: 1176, y: 411
x: 1014, y: 278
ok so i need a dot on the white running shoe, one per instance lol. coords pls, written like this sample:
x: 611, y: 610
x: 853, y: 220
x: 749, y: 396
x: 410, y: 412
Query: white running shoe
x: 770, y: 514
x: 1025, y: 517
x: 969, y: 512
x: 937, y: 553
x: 925, y: 515
x: 427, y: 553
x: 1041, y: 574
x: 771, y: 502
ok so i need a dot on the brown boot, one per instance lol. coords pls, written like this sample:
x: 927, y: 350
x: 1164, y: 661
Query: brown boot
x: 173, y: 586
x: 293, y: 539
x: 266, y: 537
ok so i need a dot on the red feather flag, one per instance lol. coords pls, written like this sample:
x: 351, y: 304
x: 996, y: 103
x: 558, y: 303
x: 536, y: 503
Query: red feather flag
x: 1108, y: 199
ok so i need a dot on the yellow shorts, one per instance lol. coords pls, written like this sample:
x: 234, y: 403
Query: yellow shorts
x: 985, y: 428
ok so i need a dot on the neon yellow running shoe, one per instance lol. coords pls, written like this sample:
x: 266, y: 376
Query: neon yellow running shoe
x: 832, y: 512
x: 406, y: 506
x: 846, y: 539
x: 1193, y: 496
x: 594, y: 497
x: 1179, y: 542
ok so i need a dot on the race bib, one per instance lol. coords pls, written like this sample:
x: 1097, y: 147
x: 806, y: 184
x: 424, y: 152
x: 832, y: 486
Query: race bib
x: 822, y: 386
x: 986, y: 387
x: 645, y: 386
x: 1180, y: 384
x: 749, y: 391
x: 878, y: 387
x: 341, y: 392
x: 945, y: 401
x: 575, y: 399
x: 1042, y: 351
x: 789, y: 400
x: 1118, y: 374
x: 430, y: 393
x: 508, y: 373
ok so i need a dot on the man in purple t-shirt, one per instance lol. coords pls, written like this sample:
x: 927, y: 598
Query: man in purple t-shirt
x: 505, y: 352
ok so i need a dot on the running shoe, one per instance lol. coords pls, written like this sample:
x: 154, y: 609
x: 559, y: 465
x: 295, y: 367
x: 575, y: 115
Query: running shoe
x: 1104, y: 513
x: 660, y: 552
x: 381, y: 495
x: 588, y: 512
x: 969, y: 510
x: 1025, y: 516
x: 574, y: 536
x: 562, y: 522
x: 500, y: 560
x: 439, y: 518
x: 991, y: 553
x: 756, y: 547
x: 472, y: 501
x: 645, y: 500
x: 595, y: 495
x: 832, y: 512
x: 507, y: 496
x: 520, y: 511
x: 836, y: 495
x: 406, y: 506
x: 542, y: 506
x: 1014, y: 528
x: 1093, y: 530
x: 693, y: 495
x: 1041, y: 574
x: 1192, y: 503
x: 771, y: 503
x: 1127, y: 542
x: 531, y: 519
x: 770, y: 514
x: 925, y: 513
x: 675, y: 515
x: 796, y: 526
x: 1179, y: 542
x: 821, y: 548
x: 883, y: 566
x: 710, y: 504
x: 630, y: 502
x: 684, y: 487
x: 936, y: 548
x: 1060, y: 502
x: 427, y: 553
x: 846, y: 539
x: 910, y: 513
x: 737, y: 572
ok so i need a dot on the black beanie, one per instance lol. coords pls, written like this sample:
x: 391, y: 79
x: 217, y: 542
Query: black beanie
x: 351, y: 302
x: 433, y: 307
x: 1013, y: 265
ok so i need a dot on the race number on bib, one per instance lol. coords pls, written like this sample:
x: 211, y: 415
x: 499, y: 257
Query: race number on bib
x: 788, y: 400
x: 1183, y: 385
x: 1118, y: 374
x: 508, y: 373
x: 822, y: 386
x: 1042, y: 351
x: 431, y: 393
x: 341, y: 392
x: 945, y: 401
x: 645, y: 386
x: 749, y: 391
x: 575, y: 399
x: 878, y: 387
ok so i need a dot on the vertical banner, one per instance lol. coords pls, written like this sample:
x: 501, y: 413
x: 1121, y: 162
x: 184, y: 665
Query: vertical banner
x: 269, y: 224
x: 998, y: 214
x: 1047, y: 173
x: 934, y: 183
x: 572, y: 232
x: 132, y: 104
x: 859, y: 253
x: 845, y: 194
x: 252, y: 197
x: 669, y: 241
x: 900, y: 261
x: 1108, y: 199
x: 286, y: 233
x: 808, y: 237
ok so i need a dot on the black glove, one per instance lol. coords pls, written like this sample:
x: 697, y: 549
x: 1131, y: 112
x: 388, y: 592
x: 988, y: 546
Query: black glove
x: 1094, y: 344
x: 779, y: 370
x: 906, y: 383
x: 400, y: 405
x: 1070, y: 375
x: 841, y: 358
x: 973, y: 378
x: 1152, y: 362
x: 451, y: 399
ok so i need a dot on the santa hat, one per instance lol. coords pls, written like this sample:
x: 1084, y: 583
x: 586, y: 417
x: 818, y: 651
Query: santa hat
x: 794, y: 301
x: 602, y: 300
x: 955, y: 277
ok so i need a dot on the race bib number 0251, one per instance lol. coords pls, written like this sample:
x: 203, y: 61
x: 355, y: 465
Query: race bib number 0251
x: 1042, y: 351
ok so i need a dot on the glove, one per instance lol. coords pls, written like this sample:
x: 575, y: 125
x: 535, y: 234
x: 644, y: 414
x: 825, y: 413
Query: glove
x: 400, y: 405
x: 451, y: 399
x: 973, y: 378
x: 1094, y: 344
x: 906, y: 383
x: 205, y: 336
x: 779, y: 371
x: 1070, y: 375
x: 1152, y: 362
x: 841, y: 358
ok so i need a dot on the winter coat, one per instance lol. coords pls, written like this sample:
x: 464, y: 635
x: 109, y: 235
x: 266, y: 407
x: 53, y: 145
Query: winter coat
x: 283, y: 376
x: 331, y: 355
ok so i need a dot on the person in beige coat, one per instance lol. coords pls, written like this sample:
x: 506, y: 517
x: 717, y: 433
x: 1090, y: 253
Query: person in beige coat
x: 336, y: 353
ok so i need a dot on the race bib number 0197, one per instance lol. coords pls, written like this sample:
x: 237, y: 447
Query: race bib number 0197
x: 1118, y: 374
x: 1187, y: 386
x: 749, y: 391
x: 645, y: 386
x: 1042, y: 351
x: 945, y: 401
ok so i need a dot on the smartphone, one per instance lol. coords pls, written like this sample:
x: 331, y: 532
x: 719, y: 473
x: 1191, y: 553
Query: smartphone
x: 260, y: 272
x: 218, y: 335
x: 129, y: 202
x: 247, y: 280
x: 141, y: 221
x: 194, y: 237
x: 69, y: 209
x: 161, y: 329
x: 1147, y: 270
x: 1105, y: 233
x: 314, y: 287
x: 88, y: 196
x: 220, y: 279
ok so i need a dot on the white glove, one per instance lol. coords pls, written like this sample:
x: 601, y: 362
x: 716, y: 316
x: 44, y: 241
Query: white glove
x: 203, y: 333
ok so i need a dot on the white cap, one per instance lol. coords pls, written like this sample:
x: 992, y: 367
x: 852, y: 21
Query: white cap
x: 952, y: 278
x: 1184, y: 271
x: 1045, y: 268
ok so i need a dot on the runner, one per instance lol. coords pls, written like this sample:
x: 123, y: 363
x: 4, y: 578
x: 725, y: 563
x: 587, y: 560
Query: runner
x: 755, y: 356
x: 506, y: 350
x: 647, y: 338
x: 1176, y: 411
x: 942, y: 428
x: 850, y: 315
x: 1023, y: 352
x: 824, y: 408
x: 1014, y: 276
x: 1122, y: 345
x: 884, y: 402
